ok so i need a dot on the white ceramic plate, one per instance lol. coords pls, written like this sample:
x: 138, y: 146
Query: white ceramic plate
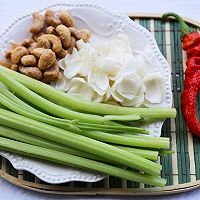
x: 103, y: 23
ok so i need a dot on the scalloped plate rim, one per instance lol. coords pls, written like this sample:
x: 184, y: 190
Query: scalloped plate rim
x: 126, y: 19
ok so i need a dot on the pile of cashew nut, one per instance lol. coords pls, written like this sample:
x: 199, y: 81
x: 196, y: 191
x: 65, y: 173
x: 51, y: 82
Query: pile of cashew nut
x: 53, y: 37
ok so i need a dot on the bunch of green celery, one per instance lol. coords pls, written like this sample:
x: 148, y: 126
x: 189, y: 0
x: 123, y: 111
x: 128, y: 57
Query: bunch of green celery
x: 39, y: 121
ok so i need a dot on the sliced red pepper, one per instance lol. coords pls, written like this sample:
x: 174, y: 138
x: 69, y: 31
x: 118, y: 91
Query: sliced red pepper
x: 193, y: 66
x: 188, y: 102
x: 193, y: 52
x: 191, y: 40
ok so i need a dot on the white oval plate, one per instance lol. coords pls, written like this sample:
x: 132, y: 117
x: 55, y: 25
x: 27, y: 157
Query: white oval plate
x: 103, y: 23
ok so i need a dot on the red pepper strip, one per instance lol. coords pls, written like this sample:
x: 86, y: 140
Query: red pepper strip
x: 188, y: 102
x: 193, y: 52
x: 189, y: 39
x: 193, y: 66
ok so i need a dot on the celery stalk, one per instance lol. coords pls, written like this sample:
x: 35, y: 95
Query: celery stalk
x: 91, y: 107
x: 135, y: 141
x: 37, y: 141
x: 46, y: 105
x: 149, y: 154
x: 80, y: 142
x: 75, y: 161
x: 14, y: 107
x: 28, y: 111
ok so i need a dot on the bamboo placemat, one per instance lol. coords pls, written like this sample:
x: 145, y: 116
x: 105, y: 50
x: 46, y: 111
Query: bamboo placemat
x: 182, y: 169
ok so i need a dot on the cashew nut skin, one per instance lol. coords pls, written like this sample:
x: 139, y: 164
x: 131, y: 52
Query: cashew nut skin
x: 38, y: 23
x: 50, y: 18
x: 17, y: 53
x: 51, y: 30
x: 36, y: 36
x: 7, y: 54
x: 62, y: 53
x: 43, y: 42
x: 74, y: 32
x: 72, y: 45
x: 55, y: 42
x: 66, y: 18
x: 29, y: 60
x: 27, y: 42
x: 46, y: 58
x: 33, y: 72
x: 52, y: 73
x: 5, y: 63
x: 83, y: 34
x: 32, y: 46
x: 14, y: 67
x: 64, y: 34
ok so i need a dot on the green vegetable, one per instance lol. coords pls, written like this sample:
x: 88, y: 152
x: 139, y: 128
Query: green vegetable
x: 38, y: 141
x: 132, y: 117
x: 91, y: 107
x: 89, y: 145
x: 46, y: 105
x: 149, y: 154
x: 164, y: 152
x: 15, y: 104
x: 75, y: 161
x: 14, y: 107
x: 135, y: 140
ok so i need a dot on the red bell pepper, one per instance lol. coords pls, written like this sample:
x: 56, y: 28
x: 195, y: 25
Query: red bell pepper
x: 191, y: 44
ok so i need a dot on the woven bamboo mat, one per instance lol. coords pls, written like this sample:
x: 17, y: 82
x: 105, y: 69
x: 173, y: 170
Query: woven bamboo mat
x: 182, y: 169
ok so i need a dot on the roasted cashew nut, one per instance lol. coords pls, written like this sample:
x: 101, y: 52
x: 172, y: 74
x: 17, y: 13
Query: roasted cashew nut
x: 14, y: 67
x: 83, y: 34
x: 52, y: 73
x: 18, y: 53
x: 54, y: 40
x: 51, y: 30
x: 38, y: 23
x: 62, y: 53
x: 33, y: 72
x: 32, y: 46
x: 46, y: 57
x: 29, y: 60
x: 43, y: 42
x: 64, y: 34
x: 72, y: 45
x: 50, y: 18
x: 27, y: 42
x: 66, y: 18
x: 5, y: 63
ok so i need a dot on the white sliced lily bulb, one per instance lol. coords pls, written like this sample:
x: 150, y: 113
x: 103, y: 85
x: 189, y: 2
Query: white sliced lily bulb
x: 108, y: 66
x: 79, y: 87
x: 155, y: 88
x: 61, y: 64
x: 138, y: 100
x: 61, y: 84
x: 129, y: 90
x: 98, y: 81
x: 97, y: 98
x: 123, y: 37
x: 130, y: 64
x: 73, y: 63
x: 80, y: 44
